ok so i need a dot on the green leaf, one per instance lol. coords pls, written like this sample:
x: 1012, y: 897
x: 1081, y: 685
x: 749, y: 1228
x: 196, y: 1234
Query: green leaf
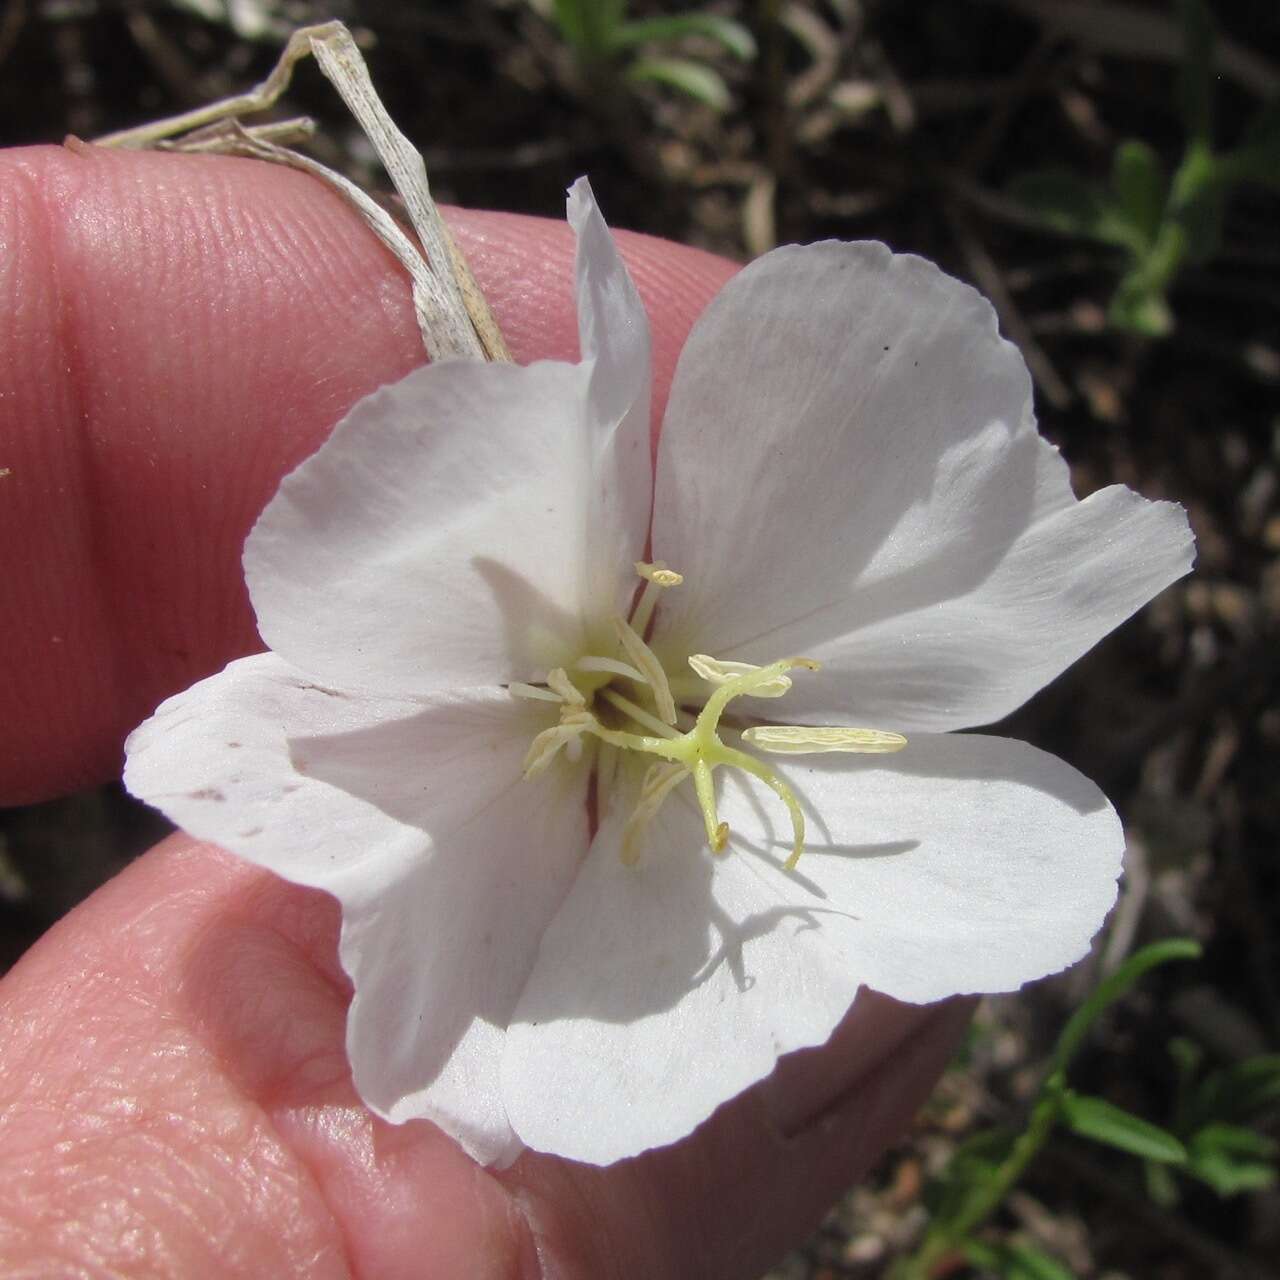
x: 1068, y: 204
x: 1139, y: 181
x: 1197, y: 203
x: 732, y: 35
x: 1102, y: 1121
x: 692, y: 78
x: 1195, y: 76
x: 1234, y: 1139
x: 587, y: 26
x: 1026, y: 1262
x: 1232, y: 1159
x: 1111, y: 989
x: 1015, y: 1260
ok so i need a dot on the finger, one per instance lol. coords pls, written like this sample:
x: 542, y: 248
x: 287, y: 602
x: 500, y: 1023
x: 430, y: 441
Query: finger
x: 174, y: 1051
x: 175, y: 334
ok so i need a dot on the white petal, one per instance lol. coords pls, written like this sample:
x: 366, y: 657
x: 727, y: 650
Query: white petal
x: 971, y: 659
x: 447, y: 865
x: 849, y: 451
x: 613, y: 333
x: 438, y: 539
x: 962, y: 864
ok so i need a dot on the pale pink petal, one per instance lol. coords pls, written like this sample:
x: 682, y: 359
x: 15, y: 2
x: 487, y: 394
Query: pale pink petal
x: 415, y: 817
x: 964, y: 864
x: 850, y: 470
x: 614, y: 337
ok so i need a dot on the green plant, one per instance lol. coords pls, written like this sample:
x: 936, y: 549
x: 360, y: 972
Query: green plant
x: 603, y: 40
x: 985, y: 1168
x: 1161, y: 222
x: 1216, y: 1115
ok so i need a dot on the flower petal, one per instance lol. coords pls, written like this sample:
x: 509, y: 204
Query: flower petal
x: 966, y: 864
x: 447, y: 866
x: 971, y: 659
x: 850, y: 465
x: 468, y: 524
x: 436, y: 540
x: 613, y: 332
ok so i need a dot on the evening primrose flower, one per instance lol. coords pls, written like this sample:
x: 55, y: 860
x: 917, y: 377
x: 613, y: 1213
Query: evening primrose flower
x: 629, y: 776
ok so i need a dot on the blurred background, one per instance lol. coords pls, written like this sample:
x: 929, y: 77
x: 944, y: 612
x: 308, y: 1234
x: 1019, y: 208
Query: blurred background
x: 1109, y: 175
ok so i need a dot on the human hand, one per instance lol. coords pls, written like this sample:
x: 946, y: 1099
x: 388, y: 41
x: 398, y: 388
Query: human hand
x: 175, y: 1097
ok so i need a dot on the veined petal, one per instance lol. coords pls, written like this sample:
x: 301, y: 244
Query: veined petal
x: 884, y: 468
x: 437, y: 539
x: 962, y: 864
x: 413, y: 816
x: 613, y: 333
x: 657, y: 995
x: 976, y: 656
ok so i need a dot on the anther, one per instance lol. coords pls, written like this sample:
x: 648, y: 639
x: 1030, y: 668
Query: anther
x: 800, y: 739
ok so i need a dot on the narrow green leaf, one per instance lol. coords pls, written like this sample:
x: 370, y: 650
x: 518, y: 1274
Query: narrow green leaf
x: 1232, y: 1159
x: 1139, y: 181
x: 587, y: 26
x: 1139, y: 307
x: 1111, y: 989
x: 1102, y: 1121
x: 1014, y: 1260
x: 1025, y: 1262
x: 1066, y: 203
x: 1234, y: 1139
x: 732, y: 35
x: 691, y: 78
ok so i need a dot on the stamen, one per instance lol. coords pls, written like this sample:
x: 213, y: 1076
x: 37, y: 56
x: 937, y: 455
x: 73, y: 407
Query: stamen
x: 542, y: 750
x: 659, y: 781
x: 799, y: 739
x: 657, y: 577
x: 647, y: 661
x: 716, y: 671
x: 658, y: 573
x: 559, y: 681
x: 609, y: 666
x: 518, y: 689
x: 637, y: 713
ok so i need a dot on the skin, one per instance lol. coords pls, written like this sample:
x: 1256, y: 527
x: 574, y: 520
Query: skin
x: 175, y: 334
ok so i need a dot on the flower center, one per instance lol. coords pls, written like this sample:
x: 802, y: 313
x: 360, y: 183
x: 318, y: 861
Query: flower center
x: 626, y: 701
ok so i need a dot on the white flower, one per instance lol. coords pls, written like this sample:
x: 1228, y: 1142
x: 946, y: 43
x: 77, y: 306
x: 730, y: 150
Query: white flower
x: 849, y: 472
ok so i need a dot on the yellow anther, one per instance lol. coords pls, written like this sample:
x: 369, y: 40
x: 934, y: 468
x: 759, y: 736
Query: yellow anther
x: 717, y: 671
x: 801, y: 739
x: 721, y: 838
x: 659, y: 574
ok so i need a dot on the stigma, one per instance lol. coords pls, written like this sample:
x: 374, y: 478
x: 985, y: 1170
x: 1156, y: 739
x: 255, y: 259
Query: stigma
x: 625, y: 701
